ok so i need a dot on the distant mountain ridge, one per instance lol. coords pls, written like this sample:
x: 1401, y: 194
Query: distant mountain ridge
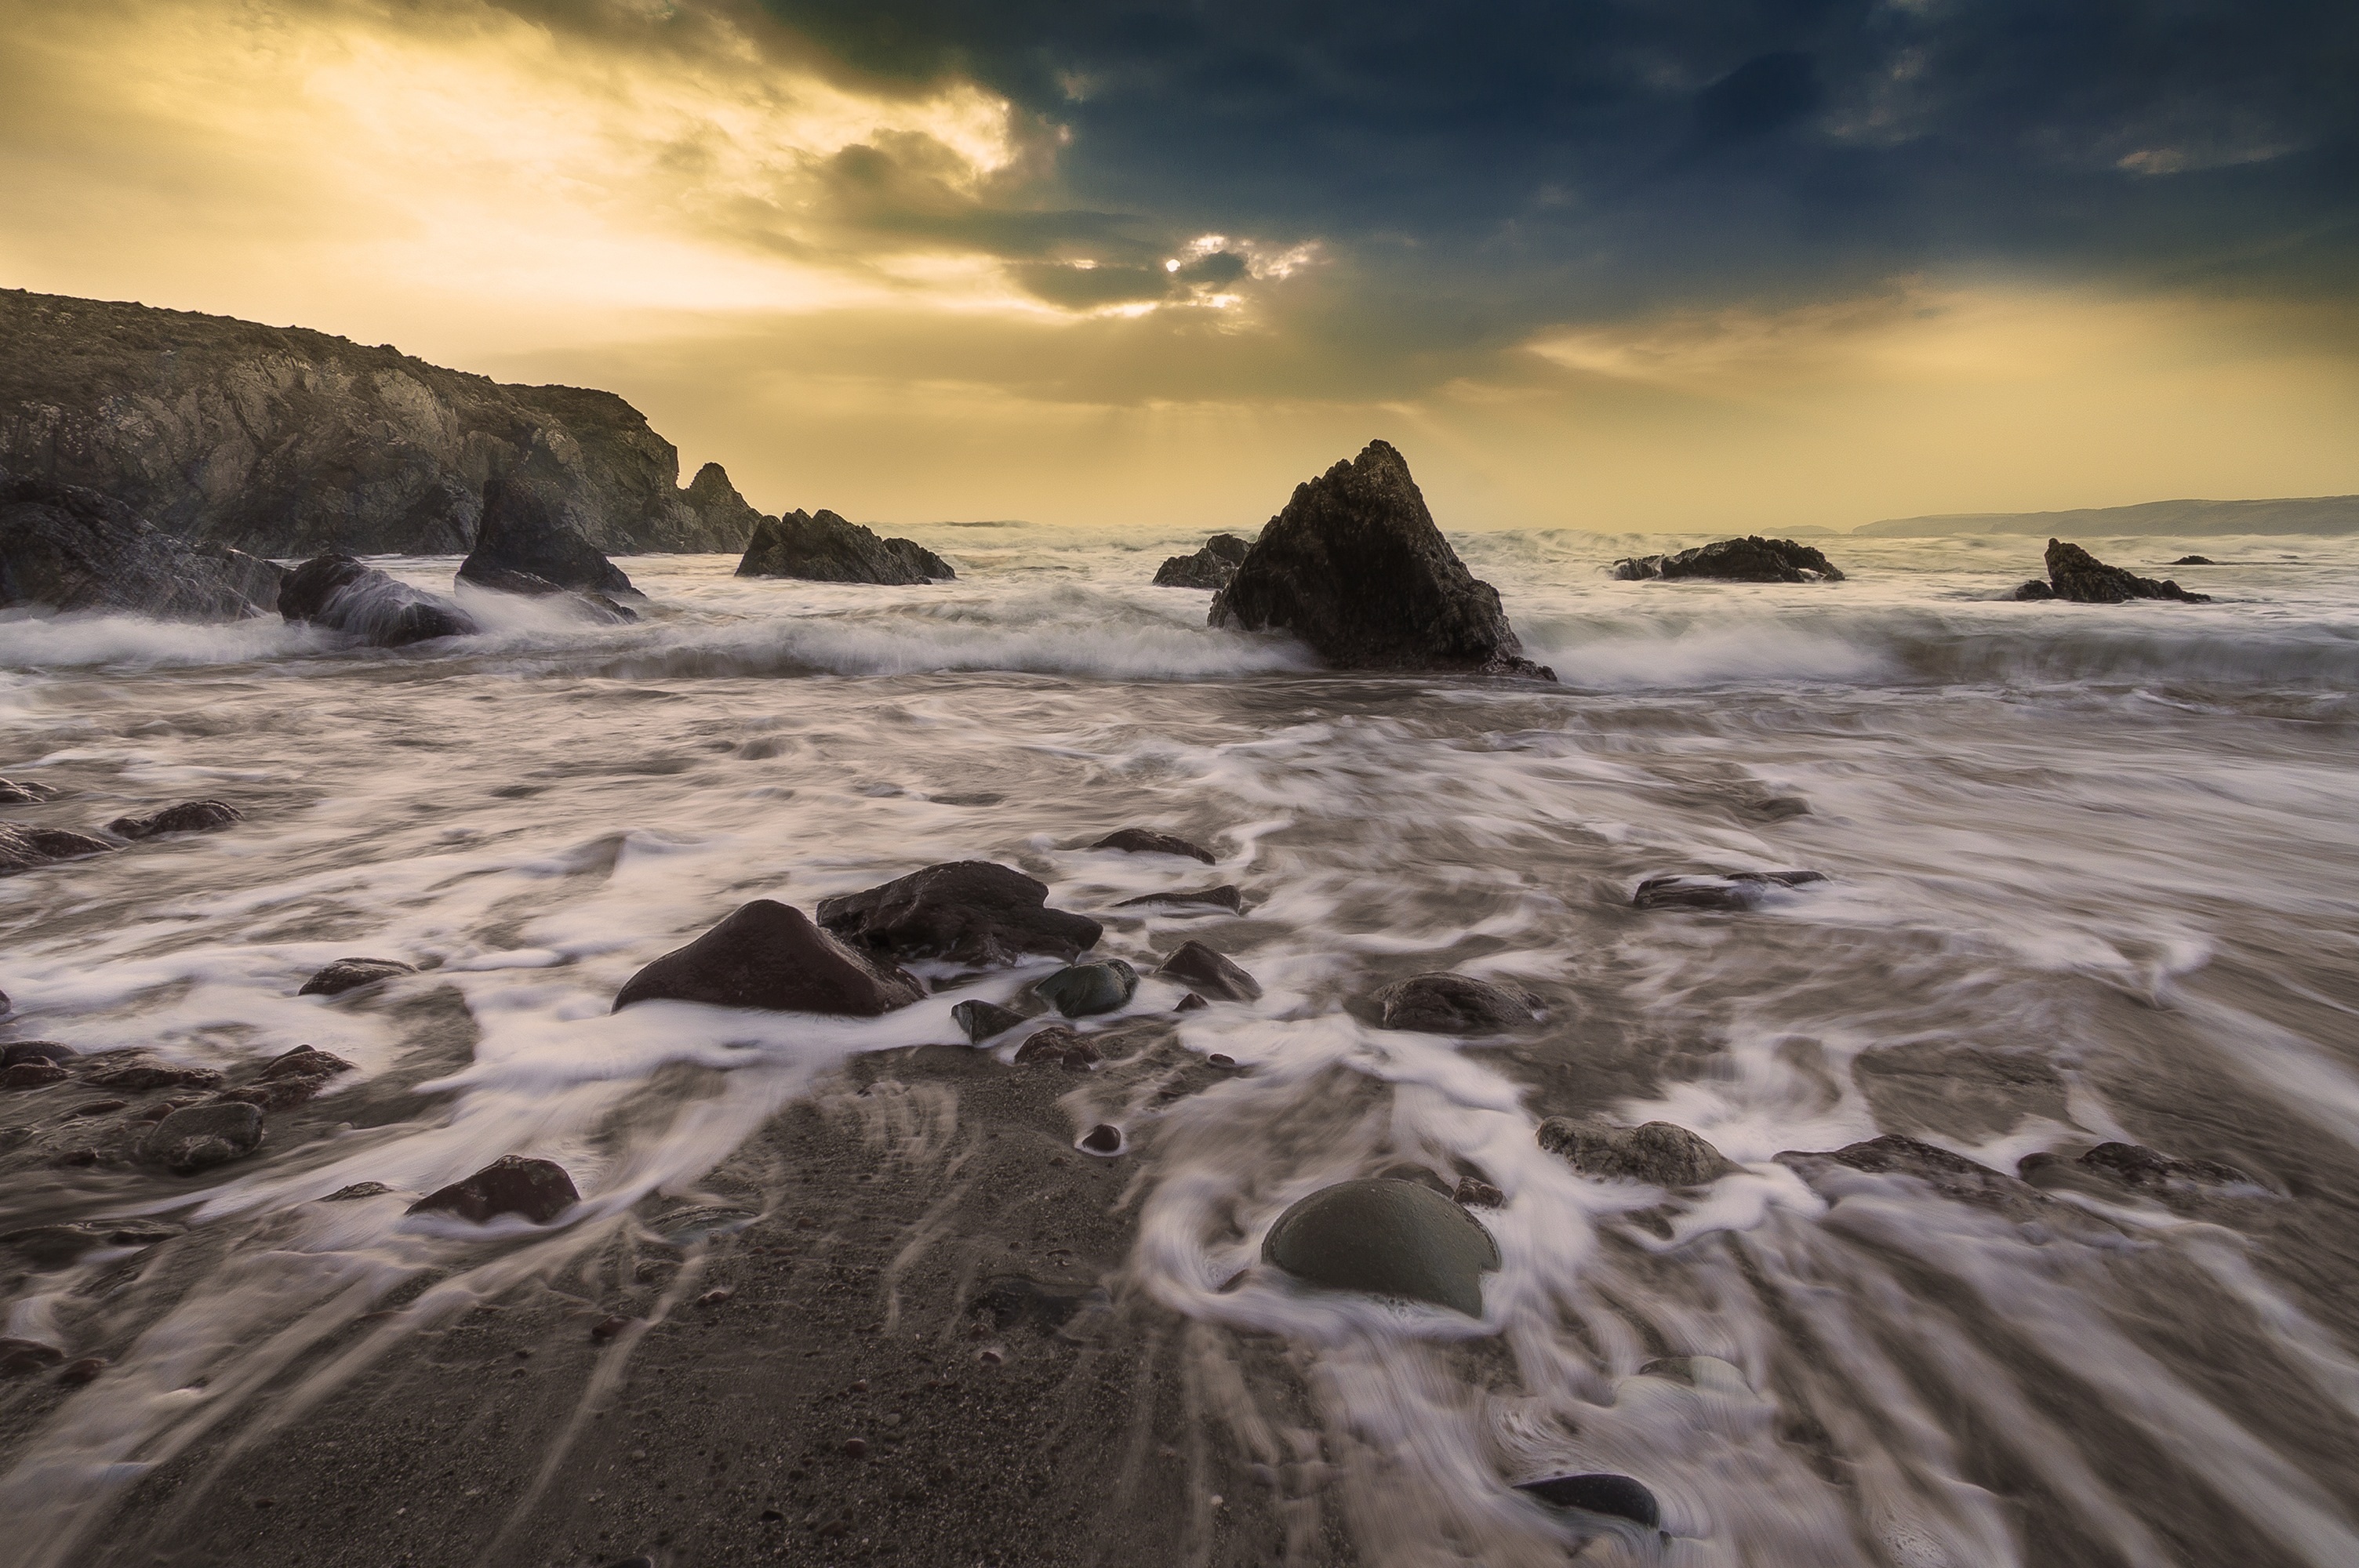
x: 284, y: 441
x: 2305, y: 514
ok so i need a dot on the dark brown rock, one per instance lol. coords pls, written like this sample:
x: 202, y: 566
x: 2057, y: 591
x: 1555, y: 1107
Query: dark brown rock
x: 538, y: 1189
x: 2033, y: 591
x: 339, y: 593
x: 137, y: 1071
x: 533, y: 524
x: 766, y: 954
x: 2082, y: 578
x: 2146, y: 1170
x: 84, y: 1371
x: 1657, y: 1152
x: 26, y: 849
x: 1224, y: 898
x: 967, y: 912
x: 524, y: 585
x: 1355, y: 567
x: 1103, y: 1139
x: 1952, y: 1175
x: 1749, y: 559
x: 71, y: 548
x: 32, y: 1076
x: 357, y: 1190
x: 187, y: 817
x: 2195, y: 561
x: 1734, y: 892
x: 35, y: 1051
x: 1474, y: 1193
x: 306, y: 1062
x: 1210, y: 568
x: 1208, y: 973
x: 1147, y: 841
x: 1617, y: 1496
x: 1450, y: 1004
x: 16, y: 792
x: 985, y: 1021
x: 1057, y: 1046
x: 827, y: 548
x: 55, y: 1246
x: 1192, y: 1002
x: 23, y: 1357
x: 203, y: 1136
x: 351, y: 974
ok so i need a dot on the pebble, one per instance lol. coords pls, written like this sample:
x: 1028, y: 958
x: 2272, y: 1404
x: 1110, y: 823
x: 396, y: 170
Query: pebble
x: 1103, y: 1139
x: 1476, y: 1193
x: 855, y: 1448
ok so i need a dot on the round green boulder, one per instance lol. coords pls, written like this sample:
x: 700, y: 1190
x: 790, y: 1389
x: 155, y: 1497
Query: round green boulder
x: 1385, y: 1237
x: 1084, y: 989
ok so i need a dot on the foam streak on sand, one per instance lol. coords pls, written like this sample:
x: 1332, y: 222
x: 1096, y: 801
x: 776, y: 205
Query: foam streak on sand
x: 2091, y: 872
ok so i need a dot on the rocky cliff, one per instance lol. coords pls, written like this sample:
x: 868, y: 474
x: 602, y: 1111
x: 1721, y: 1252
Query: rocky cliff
x: 286, y: 442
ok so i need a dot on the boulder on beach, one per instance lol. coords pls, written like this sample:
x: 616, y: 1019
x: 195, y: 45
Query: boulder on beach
x: 351, y: 974
x: 1210, y: 568
x: 1657, y: 1152
x: 1209, y: 973
x: 967, y: 912
x: 827, y: 548
x: 1355, y: 567
x: 339, y: 593
x: 71, y: 548
x: 1442, y: 1003
x: 528, y: 528
x: 187, y: 817
x: 538, y: 1190
x: 1732, y: 891
x: 770, y: 956
x: 1385, y: 1237
x: 24, y: 848
x: 1750, y: 559
x: 1147, y: 841
x: 1080, y: 990
x: 199, y: 1137
x: 2076, y: 574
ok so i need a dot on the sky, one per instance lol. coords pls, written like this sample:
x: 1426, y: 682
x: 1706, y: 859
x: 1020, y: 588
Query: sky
x: 1633, y: 265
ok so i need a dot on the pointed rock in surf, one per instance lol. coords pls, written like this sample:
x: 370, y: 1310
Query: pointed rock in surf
x: 529, y: 527
x: 827, y: 548
x: 1355, y: 567
x: 1208, y: 972
x: 1210, y: 567
x: 2084, y: 578
x: 341, y: 594
x: 770, y: 956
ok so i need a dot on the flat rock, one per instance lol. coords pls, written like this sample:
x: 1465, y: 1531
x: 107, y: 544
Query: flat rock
x: 187, y: 817
x: 1450, y: 1004
x: 356, y: 1191
x: 14, y: 791
x: 966, y: 912
x: 1147, y: 841
x: 2195, y: 561
x: 1617, y: 1496
x: 1657, y: 1152
x: 1080, y: 990
x: 1385, y: 1237
x: 1749, y: 559
x: 2082, y: 578
x: 202, y: 1136
x: 1210, y: 568
x: 1952, y: 1175
x: 1208, y: 973
x: 1734, y: 892
x: 985, y: 1021
x: 351, y: 974
x: 339, y: 593
x: 32, y: 1076
x: 1058, y: 1046
x: 824, y: 547
x: 55, y: 1246
x: 770, y: 956
x: 1225, y: 899
x: 137, y: 1071
x: 26, y: 849
x: 539, y: 1189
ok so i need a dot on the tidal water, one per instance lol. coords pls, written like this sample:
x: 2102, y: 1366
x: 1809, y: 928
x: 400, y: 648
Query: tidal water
x: 2092, y: 874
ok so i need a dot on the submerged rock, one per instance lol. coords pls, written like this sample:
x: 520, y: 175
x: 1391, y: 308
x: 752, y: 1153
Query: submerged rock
x: 2082, y: 578
x: 1203, y: 970
x: 1058, y: 1046
x: 1450, y: 1004
x: 32, y: 1076
x: 1082, y: 990
x: 187, y: 817
x: 968, y: 912
x: 351, y: 974
x: 766, y: 954
x: 137, y: 1071
x: 1198, y: 900
x: 71, y: 548
x: 49, y: 1050
x: 1147, y: 841
x: 2135, y: 1166
x: 528, y: 528
x: 985, y: 1021
x: 202, y: 1136
x: 826, y: 548
x: 23, y: 1357
x: 1385, y: 1237
x: 1472, y: 1192
x: 17, y: 792
x: 2033, y: 591
x: 341, y: 594
x: 55, y: 1246
x: 1749, y: 559
x: 538, y: 1189
x: 1210, y: 567
x: 1617, y: 1496
x: 524, y: 585
x: 26, y: 848
x: 1735, y: 890
x: 1355, y: 567
x: 1952, y: 1175
x: 1657, y: 1152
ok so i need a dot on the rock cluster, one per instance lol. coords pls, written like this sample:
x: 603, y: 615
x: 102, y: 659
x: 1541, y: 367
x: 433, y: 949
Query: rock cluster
x: 1355, y: 567
x: 1210, y: 568
x: 827, y: 548
x: 1750, y: 559
x: 340, y: 594
x: 71, y: 548
x: 2075, y: 575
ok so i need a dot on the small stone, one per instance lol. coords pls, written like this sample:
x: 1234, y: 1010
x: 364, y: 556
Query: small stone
x: 1617, y: 1496
x: 989, y: 1358
x: 351, y: 974
x: 859, y: 1386
x: 187, y: 817
x: 203, y: 1136
x: 985, y: 1021
x: 854, y: 1448
x: 1222, y: 1059
x: 35, y: 1051
x: 1657, y: 1152
x: 1450, y: 1004
x: 75, y: 1374
x: 22, y: 1357
x: 1735, y: 892
x: 608, y: 1328
x: 538, y: 1190
x: 1103, y: 1139
x: 357, y: 1190
x: 1225, y: 899
x: 715, y: 1296
x: 1386, y: 1239
x: 32, y: 1076
x: 1147, y: 841
x: 1081, y: 990
x: 1192, y: 1002
x: 1473, y: 1193
x: 1058, y: 1046
x: 1208, y: 973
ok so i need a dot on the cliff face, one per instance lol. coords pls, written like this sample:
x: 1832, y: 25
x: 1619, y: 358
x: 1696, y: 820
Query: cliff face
x: 287, y: 442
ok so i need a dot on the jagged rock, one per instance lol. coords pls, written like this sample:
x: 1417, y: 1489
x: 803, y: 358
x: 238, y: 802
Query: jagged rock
x: 1210, y: 567
x: 1952, y: 1175
x: 351, y: 974
x: 1203, y: 970
x: 288, y: 442
x: 538, y: 1189
x: 826, y: 548
x: 137, y: 1071
x: 24, y: 848
x: 2033, y: 591
x: 14, y: 791
x: 32, y: 1076
x: 1736, y: 891
x: 202, y: 1136
x: 1617, y: 1496
x: 341, y: 594
x: 357, y: 1190
x: 1450, y: 1004
x: 1386, y: 1239
x: 23, y: 1357
x: 1749, y: 559
x: 724, y: 511
x: 1058, y: 1046
x: 985, y: 1021
x: 48, y: 1050
x: 968, y: 912
x: 524, y: 585
x: 2082, y: 578
x: 1355, y: 567
x: 1147, y: 841
x: 1656, y: 1153
x: 187, y: 817
x: 2136, y: 1165
x: 71, y: 548
x: 530, y: 525
x: 1199, y: 901
x: 55, y: 1246
x: 1472, y: 1192
x: 2195, y: 561
x: 766, y: 954
x: 1082, y: 989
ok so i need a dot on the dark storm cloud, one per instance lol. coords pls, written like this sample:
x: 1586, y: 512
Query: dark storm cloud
x: 1493, y: 164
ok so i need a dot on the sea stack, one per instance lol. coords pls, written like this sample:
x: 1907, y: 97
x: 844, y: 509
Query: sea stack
x: 529, y: 532
x: 1355, y: 567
